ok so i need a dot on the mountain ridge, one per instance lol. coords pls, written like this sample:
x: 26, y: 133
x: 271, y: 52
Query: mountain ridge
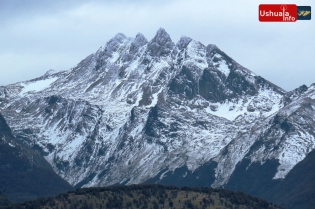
x: 139, y: 110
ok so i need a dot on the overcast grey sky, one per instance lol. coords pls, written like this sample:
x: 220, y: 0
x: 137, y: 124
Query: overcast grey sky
x: 38, y: 35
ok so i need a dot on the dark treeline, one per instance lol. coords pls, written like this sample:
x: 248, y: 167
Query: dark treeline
x: 148, y: 196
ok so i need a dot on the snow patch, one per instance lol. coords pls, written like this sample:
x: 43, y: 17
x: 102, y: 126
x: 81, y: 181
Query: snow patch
x: 293, y: 152
x: 228, y: 110
x: 37, y: 85
x: 114, y: 58
x: 155, y: 98
x: 197, y: 54
x: 221, y: 65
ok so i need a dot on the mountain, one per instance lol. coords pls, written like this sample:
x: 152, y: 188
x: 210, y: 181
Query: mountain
x: 149, y: 196
x: 25, y: 174
x: 290, y: 133
x: 159, y: 112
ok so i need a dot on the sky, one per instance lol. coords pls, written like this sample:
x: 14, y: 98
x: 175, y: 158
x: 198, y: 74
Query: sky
x: 38, y: 35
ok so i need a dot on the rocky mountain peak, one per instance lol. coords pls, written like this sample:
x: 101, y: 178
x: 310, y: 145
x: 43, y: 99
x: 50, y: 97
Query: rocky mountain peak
x: 161, y: 44
x: 138, y: 42
x: 140, y: 39
x: 118, y: 37
x: 113, y: 44
x: 183, y: 42
x: 211, y: 48
x: 161, y: 37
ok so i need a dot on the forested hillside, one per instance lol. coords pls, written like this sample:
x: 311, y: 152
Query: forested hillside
x: 149, y: 196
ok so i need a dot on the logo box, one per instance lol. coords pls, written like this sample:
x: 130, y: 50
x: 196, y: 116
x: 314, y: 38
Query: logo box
x: 304, y: 12
x: 277, y: 12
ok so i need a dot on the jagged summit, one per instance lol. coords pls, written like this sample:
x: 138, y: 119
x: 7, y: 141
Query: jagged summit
x: 138, y: 42
x: 161, y: 37
x: 161, y: 44
x: 183, y: 42
x: 118, y: 37
x: 140, y: 39
x: 211, y: 48
x: 113, y: 44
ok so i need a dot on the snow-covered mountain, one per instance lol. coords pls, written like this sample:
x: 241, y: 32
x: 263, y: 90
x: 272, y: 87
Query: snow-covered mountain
x: 155, y: 111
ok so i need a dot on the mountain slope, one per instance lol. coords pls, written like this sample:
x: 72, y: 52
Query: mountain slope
x: 297, y: 189
x: 25, y: 174
x: 4, y: 201
x: 155, y: 111
x: 289, y: 137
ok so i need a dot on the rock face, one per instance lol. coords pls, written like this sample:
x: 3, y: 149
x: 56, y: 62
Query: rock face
x: 154, y: 111
x: 25, y: 174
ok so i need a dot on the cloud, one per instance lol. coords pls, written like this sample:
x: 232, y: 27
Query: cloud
x: 39, y: 35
